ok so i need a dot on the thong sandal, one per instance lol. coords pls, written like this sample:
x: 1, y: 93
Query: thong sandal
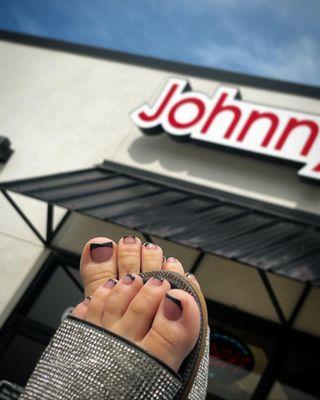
x: 87, y: 362
x: 194, y: 370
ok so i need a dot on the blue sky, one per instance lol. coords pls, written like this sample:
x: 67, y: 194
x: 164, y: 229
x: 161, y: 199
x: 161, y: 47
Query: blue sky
x: 271, y: 38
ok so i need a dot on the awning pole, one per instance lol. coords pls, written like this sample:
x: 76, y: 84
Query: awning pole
x: 50, y: 217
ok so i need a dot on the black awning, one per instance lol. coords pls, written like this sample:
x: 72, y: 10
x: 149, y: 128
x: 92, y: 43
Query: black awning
x: 263, y: 236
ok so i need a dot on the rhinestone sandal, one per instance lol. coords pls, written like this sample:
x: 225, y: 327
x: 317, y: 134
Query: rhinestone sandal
x: 84, y: 361
x: 195, y: 368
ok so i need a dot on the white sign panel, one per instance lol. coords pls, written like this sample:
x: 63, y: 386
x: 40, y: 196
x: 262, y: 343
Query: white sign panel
x: 225, y: 120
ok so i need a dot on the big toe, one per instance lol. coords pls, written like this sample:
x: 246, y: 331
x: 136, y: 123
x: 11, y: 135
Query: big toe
x: 98, y: 263
x: 175, y: 329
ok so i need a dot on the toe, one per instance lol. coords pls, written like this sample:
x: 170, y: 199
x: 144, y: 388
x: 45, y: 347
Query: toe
x: 97, y: 302
x: 193, y: 279
x: 151, y: 257
x: 172, y: 264
x: 129, y: 255
x: 80, y: 311
x: 98, y: 263
x: 140, y: 314
x: 175, y: 328
x: 117, y: 304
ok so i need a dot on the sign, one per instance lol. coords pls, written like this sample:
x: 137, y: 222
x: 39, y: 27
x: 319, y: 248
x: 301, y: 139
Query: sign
x: 230, y: 358
x: 226, y: 121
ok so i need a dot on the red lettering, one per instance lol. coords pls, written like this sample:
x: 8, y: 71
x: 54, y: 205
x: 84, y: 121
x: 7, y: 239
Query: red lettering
x: 254, y: 116
x: 200, y: 111
x: 219, y: 108
x: 225, y: 358
x: 294, y: 123
x: 163, y: 105
x: 317, y: 168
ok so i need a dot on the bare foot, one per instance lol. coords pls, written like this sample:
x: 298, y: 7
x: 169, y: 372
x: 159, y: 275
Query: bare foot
x: 163, y: 321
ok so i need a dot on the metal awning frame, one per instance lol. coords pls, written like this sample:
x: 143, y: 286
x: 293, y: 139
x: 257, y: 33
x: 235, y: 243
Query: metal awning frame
x: 51, y: 232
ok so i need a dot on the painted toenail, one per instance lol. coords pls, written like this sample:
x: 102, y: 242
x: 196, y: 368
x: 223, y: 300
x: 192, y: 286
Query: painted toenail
x: 128, y: 279
x: 87, y: 300
x: 110, y: 283
x: 129, y: 239
x: 172, y: 308
x: 190, y: 276
x: 101, y: 252
x: 150, y: 245
x: 155, y: 281
x: 171, y: 259
x: 164, y: 259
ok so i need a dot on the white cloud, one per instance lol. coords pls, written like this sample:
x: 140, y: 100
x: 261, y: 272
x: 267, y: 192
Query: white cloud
x: 297, y: 60
x: 217, y: 33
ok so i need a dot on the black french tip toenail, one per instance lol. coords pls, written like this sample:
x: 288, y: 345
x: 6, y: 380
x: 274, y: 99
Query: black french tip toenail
x: 158, y: 278
x: 130, y: 276
x: 176, y: 301
x: 164, y: 259
x: 129, y: 239
x: 87, y: 299
x: 110, y: 283
x: 96, y: 245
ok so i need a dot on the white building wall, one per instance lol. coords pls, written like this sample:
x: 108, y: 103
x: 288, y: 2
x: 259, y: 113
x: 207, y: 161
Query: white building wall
x: 64, y: 111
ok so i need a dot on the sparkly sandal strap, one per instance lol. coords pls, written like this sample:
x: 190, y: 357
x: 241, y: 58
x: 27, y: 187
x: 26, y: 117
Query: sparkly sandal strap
x: 84, y: 362
x: 195, y: 368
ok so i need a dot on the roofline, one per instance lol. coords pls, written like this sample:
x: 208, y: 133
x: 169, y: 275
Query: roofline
x: 163, y: 65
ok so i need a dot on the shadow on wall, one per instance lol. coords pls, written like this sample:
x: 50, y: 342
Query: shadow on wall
x: 225, y: 170
x: 1, y: 167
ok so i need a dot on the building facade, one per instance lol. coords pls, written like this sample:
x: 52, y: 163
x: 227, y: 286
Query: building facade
x: 249, y: 201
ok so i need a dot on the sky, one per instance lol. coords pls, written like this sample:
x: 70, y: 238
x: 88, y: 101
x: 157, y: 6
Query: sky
x: 277, y: 39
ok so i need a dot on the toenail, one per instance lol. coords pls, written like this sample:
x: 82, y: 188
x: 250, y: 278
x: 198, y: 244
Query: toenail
x: 101, y: 251
x: 156, y: 281
x: 164, y: 259
x: 129, y: 239
x: 110, y: 283
x: 150, y: 245
x: 171, y: 259
x: 190, y: 276
x: 87, y: 300
x: 128, y: 279
x: 172, y: 308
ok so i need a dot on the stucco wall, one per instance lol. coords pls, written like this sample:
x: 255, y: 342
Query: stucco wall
x: 63, y: 112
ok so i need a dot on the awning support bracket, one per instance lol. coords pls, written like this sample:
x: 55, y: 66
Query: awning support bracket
x: 50, y: 219
x: 281, y: 349
x: 272, y: 296
x: 50, y: 231
x: 24, y: 217
x: 301, y: 301
x: 197, y: 262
